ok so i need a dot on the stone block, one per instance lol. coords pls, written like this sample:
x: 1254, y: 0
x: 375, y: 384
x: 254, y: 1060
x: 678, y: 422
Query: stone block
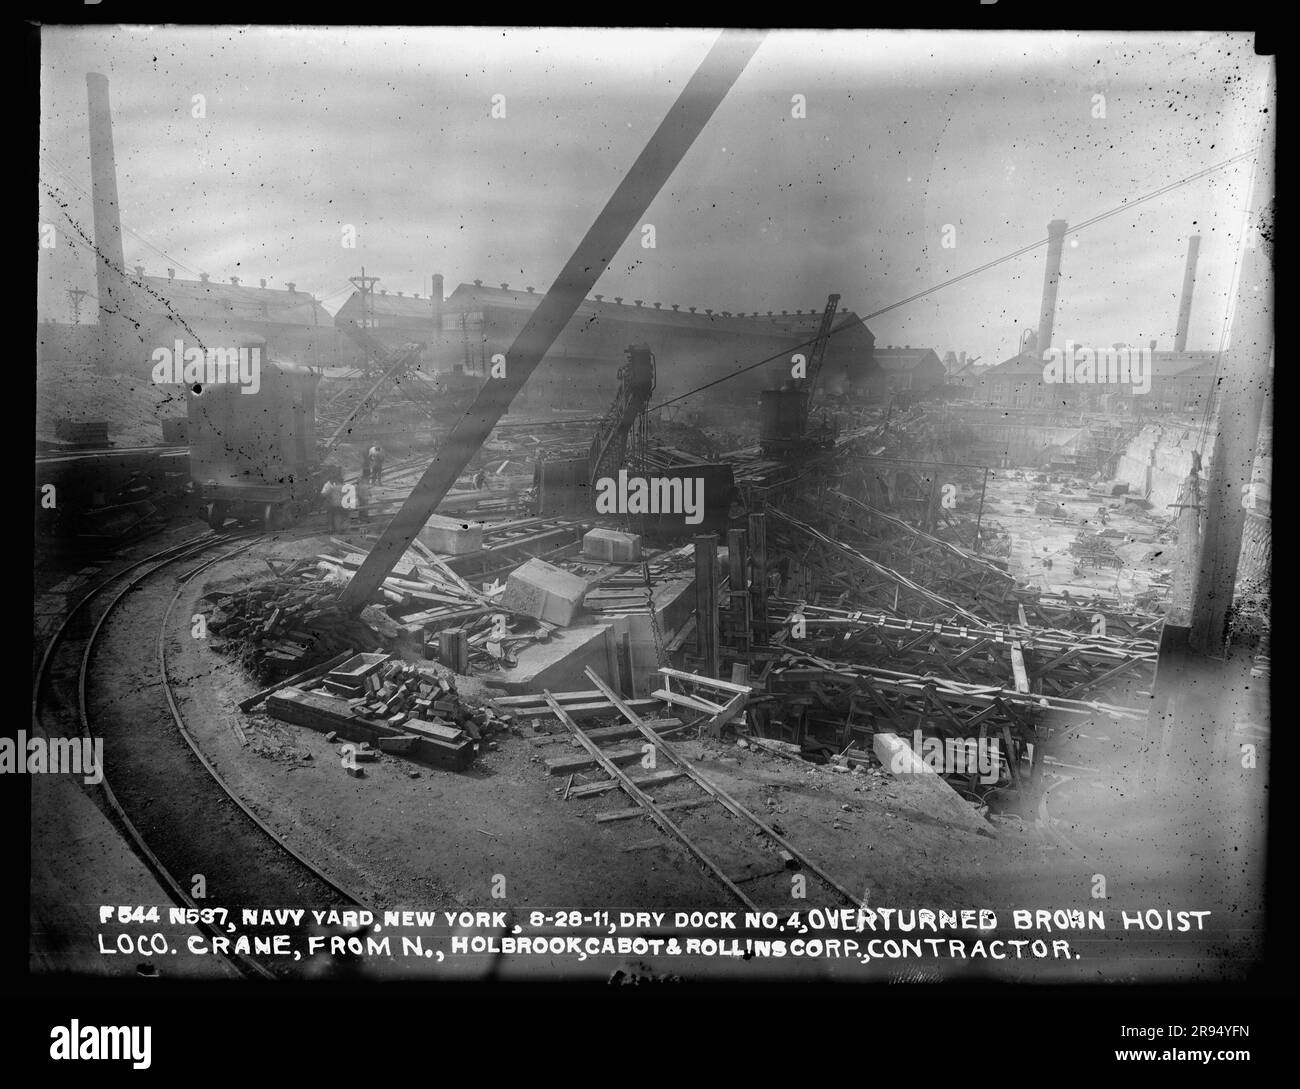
x: 544, y: 591
x: 611, y: 546
x: 451, y: 537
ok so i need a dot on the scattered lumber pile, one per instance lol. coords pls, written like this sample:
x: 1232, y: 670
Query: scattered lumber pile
x: 280, y: 625
x: 428, y: 597
x: 1096, y: 549
x: 394, y: 707
x: 420, y: 581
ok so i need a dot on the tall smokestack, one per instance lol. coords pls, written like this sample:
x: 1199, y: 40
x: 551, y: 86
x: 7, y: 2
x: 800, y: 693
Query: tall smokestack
x: 109, y: 262
x: 436, y: 300
x: 1047, y: 316
x: 1189, y: 282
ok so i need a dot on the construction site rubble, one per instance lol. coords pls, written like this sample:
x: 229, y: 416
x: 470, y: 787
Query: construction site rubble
x: 284, y: 623
x: 393, y: 707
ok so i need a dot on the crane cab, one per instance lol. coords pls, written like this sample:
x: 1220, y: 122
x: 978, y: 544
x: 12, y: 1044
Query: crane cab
x: 253, y: 451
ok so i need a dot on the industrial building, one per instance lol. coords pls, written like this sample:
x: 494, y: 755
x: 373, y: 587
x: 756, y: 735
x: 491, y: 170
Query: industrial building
x: 693, y: 344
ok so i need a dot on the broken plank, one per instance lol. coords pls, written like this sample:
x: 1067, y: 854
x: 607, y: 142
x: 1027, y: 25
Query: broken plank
x: 564, y: 765
x: 629, y: 814
x: 307, y: 674
x: 587, y: 790
x: 681, y: 700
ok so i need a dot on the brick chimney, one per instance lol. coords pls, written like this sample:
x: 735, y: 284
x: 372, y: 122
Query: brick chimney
x: 1051, y: 278
x: 1185, y: 303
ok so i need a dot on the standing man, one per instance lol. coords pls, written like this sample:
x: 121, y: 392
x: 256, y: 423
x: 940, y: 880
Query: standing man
x: 331, y: 494
x: 376, y: 464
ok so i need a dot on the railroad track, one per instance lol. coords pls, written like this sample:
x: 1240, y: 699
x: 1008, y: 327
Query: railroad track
x: 700, y: 793
x: 164, y: 794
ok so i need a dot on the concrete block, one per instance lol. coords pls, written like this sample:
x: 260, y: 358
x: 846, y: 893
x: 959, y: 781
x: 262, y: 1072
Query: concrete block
x: 544, y: 591
x: 935, y: 797
x: 612, y: 546
x: 451, y: 537
x: 559, y: 664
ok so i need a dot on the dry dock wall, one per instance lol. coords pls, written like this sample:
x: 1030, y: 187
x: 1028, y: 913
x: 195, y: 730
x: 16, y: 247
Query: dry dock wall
x: 1157, y: 461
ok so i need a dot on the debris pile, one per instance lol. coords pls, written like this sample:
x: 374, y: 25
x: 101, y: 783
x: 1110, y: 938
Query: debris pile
x: 422, y: 589
x: 391, y: 707
x: 283, y: 624
x: 429, y: 597
x: 399, y: 693
x: 1096, y: 549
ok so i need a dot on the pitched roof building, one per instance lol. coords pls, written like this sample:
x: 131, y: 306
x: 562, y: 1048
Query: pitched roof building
x: 905, y: 368
x: 692, y: 345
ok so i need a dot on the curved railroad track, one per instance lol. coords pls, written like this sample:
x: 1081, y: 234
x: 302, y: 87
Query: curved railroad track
x: 164, y: 794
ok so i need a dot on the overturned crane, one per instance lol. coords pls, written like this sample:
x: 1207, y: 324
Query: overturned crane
x: 676, y: 133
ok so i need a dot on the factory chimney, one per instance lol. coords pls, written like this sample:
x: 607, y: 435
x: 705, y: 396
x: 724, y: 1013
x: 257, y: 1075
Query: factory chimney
x: 1189, y: 282
x: 1051, y: 277
x: 110, y: 279
x: 437, y: 298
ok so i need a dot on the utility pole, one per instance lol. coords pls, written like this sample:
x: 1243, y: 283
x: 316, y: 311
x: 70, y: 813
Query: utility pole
x: 366, y: 285
x: 1243, y: 382
x: 75, y: 295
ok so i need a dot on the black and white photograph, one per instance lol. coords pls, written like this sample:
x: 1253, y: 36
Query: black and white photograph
x: 642, y: 510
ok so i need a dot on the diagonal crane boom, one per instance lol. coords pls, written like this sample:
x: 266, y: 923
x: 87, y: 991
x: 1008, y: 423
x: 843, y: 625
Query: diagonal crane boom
x: 672, y: 139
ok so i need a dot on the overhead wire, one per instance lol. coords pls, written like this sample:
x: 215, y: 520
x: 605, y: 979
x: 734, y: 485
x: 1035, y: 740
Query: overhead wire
x: 1020, y: 252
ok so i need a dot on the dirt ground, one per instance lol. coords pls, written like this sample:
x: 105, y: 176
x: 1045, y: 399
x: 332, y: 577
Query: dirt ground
x: 1009, y: 506
x: 134, y: 406
x: 412, y: 836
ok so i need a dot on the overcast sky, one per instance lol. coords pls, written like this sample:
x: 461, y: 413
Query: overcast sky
x: 390, y: 131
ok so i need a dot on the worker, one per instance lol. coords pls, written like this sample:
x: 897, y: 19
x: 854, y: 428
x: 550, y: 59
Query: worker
x: 365, y: 465
x: 376, y: 464
x: 480, y: 480
x: 331, y: 494
x: 363, y: 501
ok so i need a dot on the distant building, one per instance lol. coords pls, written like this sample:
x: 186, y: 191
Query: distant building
x: 1180, y: 382
x: 288, y: 323
x: 967, y: 379
x: 692, y: 346
x: 394, y: 318
x: 906, y: 368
